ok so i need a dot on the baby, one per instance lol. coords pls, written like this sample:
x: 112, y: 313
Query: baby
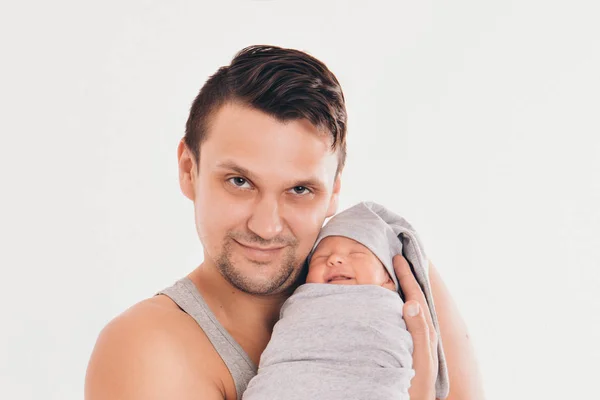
x: 341, y: 335
x: 339, y: 260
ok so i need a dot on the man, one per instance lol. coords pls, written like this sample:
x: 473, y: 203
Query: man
x: 261, y: 160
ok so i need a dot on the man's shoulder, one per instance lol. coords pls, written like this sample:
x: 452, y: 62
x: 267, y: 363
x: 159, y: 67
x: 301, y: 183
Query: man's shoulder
x: 153, y: 348
x: 153, y: 321
x: 157, y: 315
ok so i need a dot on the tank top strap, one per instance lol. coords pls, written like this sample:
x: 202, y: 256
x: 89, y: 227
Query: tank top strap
x: 185, y: 294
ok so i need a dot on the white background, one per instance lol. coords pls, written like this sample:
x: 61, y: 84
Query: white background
x: 478, y: 121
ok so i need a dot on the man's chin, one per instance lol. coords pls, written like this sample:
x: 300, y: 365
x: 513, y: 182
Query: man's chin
x: 259, y: 278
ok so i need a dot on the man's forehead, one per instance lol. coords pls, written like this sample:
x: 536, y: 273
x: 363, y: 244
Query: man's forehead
x: 259, y: 143
x: 238, y: 122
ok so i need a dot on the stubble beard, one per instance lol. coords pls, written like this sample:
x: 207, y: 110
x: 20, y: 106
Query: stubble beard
x: 288, y: 272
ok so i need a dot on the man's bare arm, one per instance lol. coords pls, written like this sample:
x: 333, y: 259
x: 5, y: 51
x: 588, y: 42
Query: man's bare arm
x: 463, y: 371
x: 148, y: 353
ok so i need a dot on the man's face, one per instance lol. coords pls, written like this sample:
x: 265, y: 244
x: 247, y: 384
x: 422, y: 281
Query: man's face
x: 261, y: 194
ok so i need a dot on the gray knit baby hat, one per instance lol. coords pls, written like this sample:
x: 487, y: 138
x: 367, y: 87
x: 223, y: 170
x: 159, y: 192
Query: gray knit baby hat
x: 374, y: 227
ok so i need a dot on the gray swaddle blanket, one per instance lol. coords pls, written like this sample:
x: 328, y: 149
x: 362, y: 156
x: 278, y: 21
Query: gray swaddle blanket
x: 337, y: 341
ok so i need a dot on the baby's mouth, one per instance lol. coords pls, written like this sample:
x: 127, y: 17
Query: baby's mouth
x: 338, y: 278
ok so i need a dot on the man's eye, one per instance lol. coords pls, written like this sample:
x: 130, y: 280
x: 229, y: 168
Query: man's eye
x: 301, y: 190
x: 239, y: 182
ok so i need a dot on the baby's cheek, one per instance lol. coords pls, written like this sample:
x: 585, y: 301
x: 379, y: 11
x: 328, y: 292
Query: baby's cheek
x: 315, y: 275
x: 379, y: 273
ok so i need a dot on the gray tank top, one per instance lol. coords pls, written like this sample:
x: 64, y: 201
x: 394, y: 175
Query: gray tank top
x: 185, y: 294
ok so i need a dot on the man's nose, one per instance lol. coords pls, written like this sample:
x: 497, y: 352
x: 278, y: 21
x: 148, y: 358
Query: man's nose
x: 265, y: 221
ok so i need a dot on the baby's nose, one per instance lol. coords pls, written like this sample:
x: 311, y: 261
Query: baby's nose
x: 335, y: 259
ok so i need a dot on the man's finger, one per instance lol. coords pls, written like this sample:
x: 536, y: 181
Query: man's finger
x: 412, y: 292
x: 417, y: 326
x: 407, y: 281
x: 423, y: 360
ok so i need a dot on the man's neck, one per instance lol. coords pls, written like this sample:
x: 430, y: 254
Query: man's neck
x: 248, y: 318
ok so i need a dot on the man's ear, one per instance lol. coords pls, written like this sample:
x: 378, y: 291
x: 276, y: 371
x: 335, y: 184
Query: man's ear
x: 187, y: 170
x: 335, y: 196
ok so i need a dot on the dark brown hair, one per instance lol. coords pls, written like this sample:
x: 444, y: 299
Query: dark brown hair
x: 287, y: 84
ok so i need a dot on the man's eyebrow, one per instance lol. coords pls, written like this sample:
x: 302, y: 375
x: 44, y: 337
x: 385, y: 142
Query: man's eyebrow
x: 311, y: 182
x: 236, y: 168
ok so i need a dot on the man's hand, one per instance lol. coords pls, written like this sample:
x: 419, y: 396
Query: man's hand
x: 420, y: 325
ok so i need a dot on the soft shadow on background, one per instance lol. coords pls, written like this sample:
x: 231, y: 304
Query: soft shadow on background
x: 476, y: 121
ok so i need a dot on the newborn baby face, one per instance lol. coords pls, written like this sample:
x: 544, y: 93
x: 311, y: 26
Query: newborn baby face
x: 342, y: 261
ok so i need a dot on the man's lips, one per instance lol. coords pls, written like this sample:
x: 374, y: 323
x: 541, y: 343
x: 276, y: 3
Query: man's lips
x: 252, y: 247
x: 261, y: 254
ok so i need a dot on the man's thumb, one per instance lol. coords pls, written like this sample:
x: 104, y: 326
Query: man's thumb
x: 417, y: 325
